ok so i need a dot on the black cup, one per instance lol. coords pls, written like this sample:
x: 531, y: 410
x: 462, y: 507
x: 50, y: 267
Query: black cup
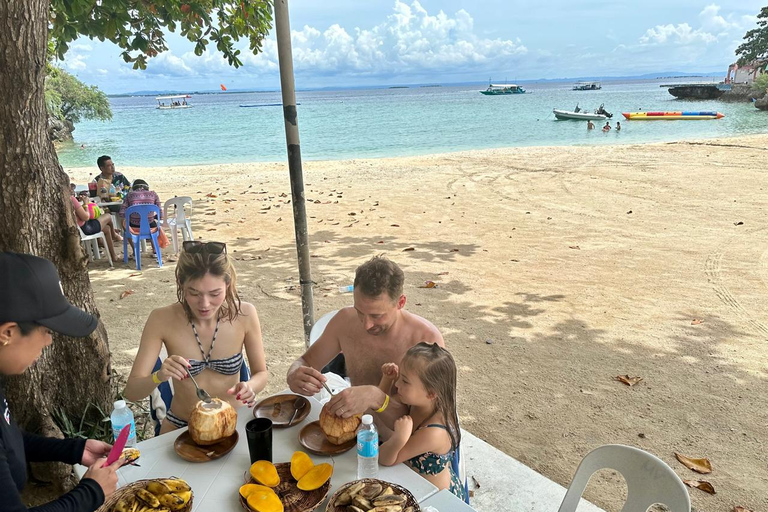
x: 259, y: 434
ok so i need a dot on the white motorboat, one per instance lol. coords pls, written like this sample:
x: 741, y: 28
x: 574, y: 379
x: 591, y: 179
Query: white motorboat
x: 174, y: 102
x: 579, y: 116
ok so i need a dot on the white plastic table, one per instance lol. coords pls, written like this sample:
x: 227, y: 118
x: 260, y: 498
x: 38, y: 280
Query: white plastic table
x: 446, y: 501
x: 216, y: 483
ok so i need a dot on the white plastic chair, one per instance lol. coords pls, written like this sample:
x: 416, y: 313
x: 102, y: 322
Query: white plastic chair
x: 649, y: 480
x: 91, y: 245
x: 319, y: 327
x: 179, y: 220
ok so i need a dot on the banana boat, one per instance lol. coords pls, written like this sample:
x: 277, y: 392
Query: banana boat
x: 653, y: 116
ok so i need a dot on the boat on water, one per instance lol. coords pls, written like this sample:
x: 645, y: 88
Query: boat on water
x: 587, y: 86
x: 671, y: 116
x: 174, y: 102
x: 501, y: 89
x: 578, y: 114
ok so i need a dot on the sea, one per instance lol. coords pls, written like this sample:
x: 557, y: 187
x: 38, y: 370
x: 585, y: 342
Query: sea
x: 388, y: 122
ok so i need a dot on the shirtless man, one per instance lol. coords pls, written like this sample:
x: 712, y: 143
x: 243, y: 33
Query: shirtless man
x: 375, y: 331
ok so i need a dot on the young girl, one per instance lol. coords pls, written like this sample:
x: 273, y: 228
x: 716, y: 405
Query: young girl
x: 425, y: 439
x: 205, y: 331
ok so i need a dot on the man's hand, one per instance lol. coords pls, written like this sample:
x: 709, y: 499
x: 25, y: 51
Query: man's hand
x: 94, y: 450
x: 390, y: 371
x: 353, y: 401
x: 305, y: 380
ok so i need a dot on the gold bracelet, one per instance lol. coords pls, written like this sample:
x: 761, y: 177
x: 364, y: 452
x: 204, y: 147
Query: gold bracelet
x: 384, y: 405
x: 155, y: 379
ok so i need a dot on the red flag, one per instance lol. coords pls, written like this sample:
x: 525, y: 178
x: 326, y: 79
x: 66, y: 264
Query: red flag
x: 223, y: 88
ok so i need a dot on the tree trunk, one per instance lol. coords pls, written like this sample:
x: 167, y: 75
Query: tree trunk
x: 36, y: 217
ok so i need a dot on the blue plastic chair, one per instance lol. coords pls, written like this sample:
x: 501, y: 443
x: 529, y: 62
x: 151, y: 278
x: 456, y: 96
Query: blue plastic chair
x: 160, y: 399
x: 145, y: 232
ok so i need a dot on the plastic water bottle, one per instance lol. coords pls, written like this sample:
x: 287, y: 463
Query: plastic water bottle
x: 347, y: 289
x: 367, y: 449
x: 122, y: 416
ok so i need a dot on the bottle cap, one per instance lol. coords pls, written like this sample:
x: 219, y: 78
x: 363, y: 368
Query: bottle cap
x: 120, y: 404
x: 367, y: 419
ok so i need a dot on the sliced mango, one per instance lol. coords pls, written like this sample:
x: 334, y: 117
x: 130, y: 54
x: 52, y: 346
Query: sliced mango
x: 300, y: 465
x: 265, y: 473
x: 247, y: 489
x: 315, y: 477
x: 265, y: 500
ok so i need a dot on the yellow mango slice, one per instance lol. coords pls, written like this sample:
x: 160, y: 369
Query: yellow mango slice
x: 315, y: 477
x: 265, y: 473
x: 300, y: 465
x: 265, y: 500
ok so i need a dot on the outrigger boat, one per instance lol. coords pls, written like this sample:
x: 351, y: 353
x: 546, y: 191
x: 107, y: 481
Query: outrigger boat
x: 587, y: 86
x: 174, y: 102
x: 671, y: 116
x: 600, y: 114
x: 499, y: 89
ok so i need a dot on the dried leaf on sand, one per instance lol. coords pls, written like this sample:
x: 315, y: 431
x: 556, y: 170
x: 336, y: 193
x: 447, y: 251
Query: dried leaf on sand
x: 126, y: 293
x: 626, y: 379
x: 700, y: 484
x: 701, y: 465
x: 429, y: 284
x: 696, y: 321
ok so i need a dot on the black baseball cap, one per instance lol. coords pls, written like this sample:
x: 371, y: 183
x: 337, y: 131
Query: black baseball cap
x: 30, y: 291
x: 139, y: 183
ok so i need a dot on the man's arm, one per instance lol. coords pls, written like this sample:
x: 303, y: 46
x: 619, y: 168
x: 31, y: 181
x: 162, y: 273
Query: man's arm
x: 304, y: 376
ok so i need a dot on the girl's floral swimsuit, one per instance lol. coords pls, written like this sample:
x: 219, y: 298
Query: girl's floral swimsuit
x: 431, y: 463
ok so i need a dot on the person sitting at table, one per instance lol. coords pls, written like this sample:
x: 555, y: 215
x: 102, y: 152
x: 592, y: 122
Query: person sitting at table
x: 92, y: 221
x: 427, y: 436
x: 376, y: 330
x: 204, y: 333
x: 107, y: 172
x: 140, y: 194
x: 32, y: 307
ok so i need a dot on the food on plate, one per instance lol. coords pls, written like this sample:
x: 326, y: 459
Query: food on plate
x: 264, y: 499
x: 315, y: 477
x: 338, y: 430
x: 165, y: 495
x: 300, y: 465
x: 265, y: 473
x: 371, y: 497
x: 209, y: 423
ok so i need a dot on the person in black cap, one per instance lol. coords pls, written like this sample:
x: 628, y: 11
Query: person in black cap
x: 32, y: 307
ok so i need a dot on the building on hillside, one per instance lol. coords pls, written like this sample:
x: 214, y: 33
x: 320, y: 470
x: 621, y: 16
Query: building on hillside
x: 745, y: 74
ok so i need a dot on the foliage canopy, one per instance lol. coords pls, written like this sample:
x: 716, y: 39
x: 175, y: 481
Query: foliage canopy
x: 137, y: 26
x: 755, y: 45
x: 68, y: 98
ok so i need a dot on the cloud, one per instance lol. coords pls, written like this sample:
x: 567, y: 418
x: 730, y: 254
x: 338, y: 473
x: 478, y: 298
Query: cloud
x: 681, y: 33
x: 713, y: 28
x: 409, y: 41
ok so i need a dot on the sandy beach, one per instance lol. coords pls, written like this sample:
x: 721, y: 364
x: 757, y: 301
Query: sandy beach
x: 557, y: 269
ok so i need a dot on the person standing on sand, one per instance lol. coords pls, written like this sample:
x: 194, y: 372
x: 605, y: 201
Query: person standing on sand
x: 374, y: 331
x: 590, y: 125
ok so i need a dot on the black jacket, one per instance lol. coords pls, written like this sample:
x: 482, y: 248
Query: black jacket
x: 17, y: 448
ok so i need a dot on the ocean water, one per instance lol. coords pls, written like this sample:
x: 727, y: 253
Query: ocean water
x: 365, y: 123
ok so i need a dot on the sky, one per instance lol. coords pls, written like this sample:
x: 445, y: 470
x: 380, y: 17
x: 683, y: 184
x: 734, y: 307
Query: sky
x: 344, y: 43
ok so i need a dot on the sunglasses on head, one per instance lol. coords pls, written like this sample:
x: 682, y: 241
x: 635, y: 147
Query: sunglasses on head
x: 195, y: 246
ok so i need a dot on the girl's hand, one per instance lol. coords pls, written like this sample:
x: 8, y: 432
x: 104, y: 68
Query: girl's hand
x: 403, y: 427
x: 173, y: 368
x: 105, y: 476
x: 390, y: 371
x: 243, y: 392
x: 94, y: 450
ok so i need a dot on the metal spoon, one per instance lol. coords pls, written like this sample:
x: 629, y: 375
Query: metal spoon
x: 201, y: 393
x: 327, y: 388
x: 298, y: 405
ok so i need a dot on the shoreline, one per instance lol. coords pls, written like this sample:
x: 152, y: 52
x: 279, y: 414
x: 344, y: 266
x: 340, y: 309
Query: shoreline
x: 558, y: 268
x: 459, y: 153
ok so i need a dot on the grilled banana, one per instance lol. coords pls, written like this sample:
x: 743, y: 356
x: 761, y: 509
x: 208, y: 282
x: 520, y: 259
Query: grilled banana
x: 148, y: 498
x: 123, y: 505
x: 177, y: 485
x: 158, y: 488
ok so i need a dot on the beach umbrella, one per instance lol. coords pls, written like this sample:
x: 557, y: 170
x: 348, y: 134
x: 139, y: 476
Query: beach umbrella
x: 287, y: 88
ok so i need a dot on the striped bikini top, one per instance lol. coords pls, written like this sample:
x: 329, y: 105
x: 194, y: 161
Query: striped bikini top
x: 228, y: 366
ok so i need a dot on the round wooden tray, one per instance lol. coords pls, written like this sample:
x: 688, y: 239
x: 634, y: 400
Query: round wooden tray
x: 293, y: 498
x: 280, y: 408
x: 410, y: 499
x: 188, y: 450
x: 313, y: 439
x: 130, y: 490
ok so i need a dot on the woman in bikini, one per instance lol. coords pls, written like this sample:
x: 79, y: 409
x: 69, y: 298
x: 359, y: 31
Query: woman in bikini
x: 205, y: 331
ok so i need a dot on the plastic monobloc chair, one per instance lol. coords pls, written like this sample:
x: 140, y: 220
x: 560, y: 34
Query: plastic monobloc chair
x: 649, y: 480
x: 179, y: 220
x: 145, y: 232
x: 91, y: 244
